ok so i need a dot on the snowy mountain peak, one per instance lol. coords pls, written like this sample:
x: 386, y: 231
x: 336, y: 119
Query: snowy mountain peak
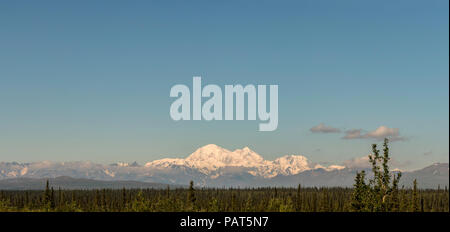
x: 210, y: 148
x: 212, y: 157
x: 292, y: 164
x: 292, y: 159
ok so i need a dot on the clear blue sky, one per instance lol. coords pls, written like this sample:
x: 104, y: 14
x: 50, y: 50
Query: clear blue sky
x: 90, y: 80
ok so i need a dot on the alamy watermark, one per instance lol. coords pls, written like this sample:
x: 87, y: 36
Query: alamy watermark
x: 212, y: 108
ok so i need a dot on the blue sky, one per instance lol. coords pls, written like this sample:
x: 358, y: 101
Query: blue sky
x: 90, y: 80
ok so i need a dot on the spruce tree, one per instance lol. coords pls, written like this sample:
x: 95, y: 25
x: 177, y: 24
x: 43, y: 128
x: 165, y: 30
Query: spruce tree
x: 60, y: 198
x: 139, y: 204
x: 191, y: 196
x: 46, y: 197
x: 52, y: 198
x: 299, y: 199
x: 378, y: 195
x: 394, y: 201
x: 414, y: 198
x: 124, y: 198
x: 359, y: 195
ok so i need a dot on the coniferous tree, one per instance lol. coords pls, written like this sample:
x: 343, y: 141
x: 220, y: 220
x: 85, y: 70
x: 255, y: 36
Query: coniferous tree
x: 378, y: 194
x: 421, y: 205
x: 287, y: 206
x: 394, y: 201
x: 60, y: 198
x: 191, y: 196
x: 52, y: 198
x: 46, y: 197
x: 139, y: 204
x: 299, y: 199
x: 124, y: 198
x: 234, y: 204
x: 93, y: 201
x: 414, y: 198
x: 103, y: 200
x: 359, y: 196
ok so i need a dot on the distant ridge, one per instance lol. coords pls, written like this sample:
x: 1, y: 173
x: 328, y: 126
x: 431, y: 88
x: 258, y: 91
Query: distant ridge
x: 65, y: 182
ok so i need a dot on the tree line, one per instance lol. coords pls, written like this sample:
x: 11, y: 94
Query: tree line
x: 216, y: 200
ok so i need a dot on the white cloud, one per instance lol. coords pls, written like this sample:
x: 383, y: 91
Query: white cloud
x: 363, y: 162
x: 353, y: 134
x: 383, y: 132
x: 359, y: 162
x: 393, y: 134
x: 322, y: 128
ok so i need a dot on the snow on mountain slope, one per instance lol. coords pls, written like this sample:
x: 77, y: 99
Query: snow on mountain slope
x: 211, y: 159
x: 165, y: 163
x: 329, y: 168
x: 291, y: 164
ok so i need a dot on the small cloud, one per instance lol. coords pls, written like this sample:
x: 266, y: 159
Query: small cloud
x: 383, y: 132
x: 363, y: 163
x: 359, y: 162
x: 353, y: 134
x: 393, y: 134
x: 322, y: 128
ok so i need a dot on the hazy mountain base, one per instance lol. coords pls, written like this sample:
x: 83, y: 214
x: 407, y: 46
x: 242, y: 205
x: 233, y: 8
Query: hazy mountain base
x: 68, y: 183
x: 430, y: 177
x: 137, y: 177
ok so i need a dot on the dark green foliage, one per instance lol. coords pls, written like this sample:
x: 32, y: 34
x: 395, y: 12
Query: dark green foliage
x: 213, y: 200
x: 381, y: 194
x: 191, y: 196
x: 414, y: 198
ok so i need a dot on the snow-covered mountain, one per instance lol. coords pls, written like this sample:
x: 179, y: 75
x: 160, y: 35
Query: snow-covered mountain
x: 215, y: 166
x: 212, y: 158
x: 124, y: 164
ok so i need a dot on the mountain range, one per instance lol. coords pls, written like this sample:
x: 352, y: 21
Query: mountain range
x: 214, y: 166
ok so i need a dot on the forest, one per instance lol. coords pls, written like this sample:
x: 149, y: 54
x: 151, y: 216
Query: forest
x: 381, y: 193
x: 212, y: 200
